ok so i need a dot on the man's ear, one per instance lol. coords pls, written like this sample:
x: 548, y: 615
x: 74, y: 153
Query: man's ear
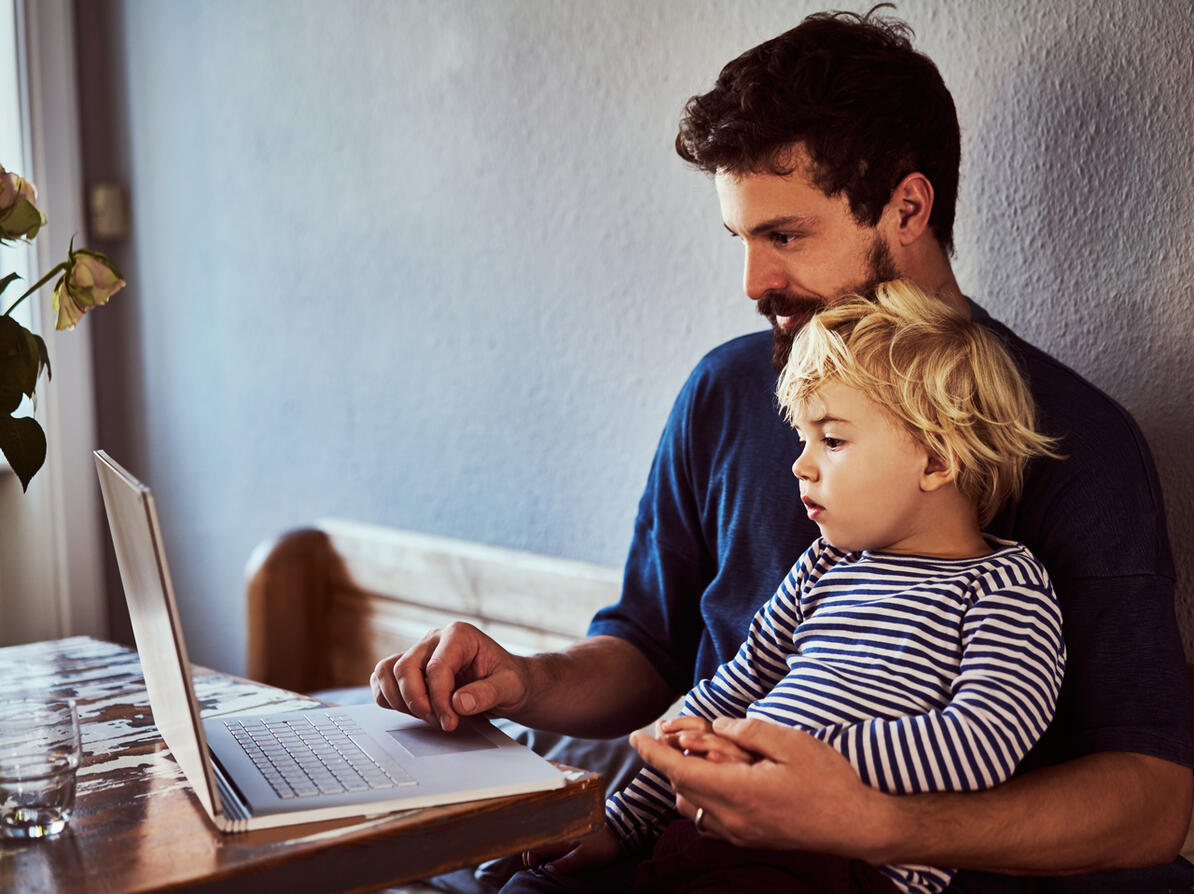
x: 912, y: 203
x: 938, y: 472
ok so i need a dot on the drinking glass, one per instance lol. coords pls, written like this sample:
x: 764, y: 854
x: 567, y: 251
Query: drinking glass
x: 39, y: 756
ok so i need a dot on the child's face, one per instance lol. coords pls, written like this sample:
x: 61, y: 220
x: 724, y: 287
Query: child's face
x: 860, y: 472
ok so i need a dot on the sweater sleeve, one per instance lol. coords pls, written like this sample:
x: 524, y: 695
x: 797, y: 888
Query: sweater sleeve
x: 667, y: 567
x: 640, y: 810
x: 999, y: 705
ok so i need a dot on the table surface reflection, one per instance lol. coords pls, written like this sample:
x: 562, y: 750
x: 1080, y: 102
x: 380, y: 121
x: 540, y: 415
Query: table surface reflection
x: 138, y: 827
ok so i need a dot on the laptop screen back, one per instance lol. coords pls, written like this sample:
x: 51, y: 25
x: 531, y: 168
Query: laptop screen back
x: 137, y: 539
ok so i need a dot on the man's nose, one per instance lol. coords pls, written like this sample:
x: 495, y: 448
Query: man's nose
x: 761, y: 274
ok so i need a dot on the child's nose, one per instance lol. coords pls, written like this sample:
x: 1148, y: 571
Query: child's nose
x: 803, y: 469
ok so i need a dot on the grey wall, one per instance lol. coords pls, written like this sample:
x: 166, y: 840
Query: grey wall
x: 435, y: 264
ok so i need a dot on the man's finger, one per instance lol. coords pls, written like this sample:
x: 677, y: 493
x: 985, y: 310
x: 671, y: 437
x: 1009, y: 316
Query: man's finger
x: 711, y: 783
x: 713, y: 748
x: 408, y: 677
x: 533, y: 859
x: 767, y: 740
x: 663, y: 758
x: 485, y: 695
x: 384, y: 684
x: 380, y: 696
x: 574, y: 859
x: 441, y: 683
x: 458, y: 648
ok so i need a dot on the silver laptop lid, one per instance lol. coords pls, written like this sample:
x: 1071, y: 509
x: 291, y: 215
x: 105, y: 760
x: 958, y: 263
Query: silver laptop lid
x: 137, y: 538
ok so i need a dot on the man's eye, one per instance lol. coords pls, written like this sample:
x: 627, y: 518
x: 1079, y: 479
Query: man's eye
x: 784, y: 238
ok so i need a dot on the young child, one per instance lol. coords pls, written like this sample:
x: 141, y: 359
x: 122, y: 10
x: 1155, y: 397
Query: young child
x: 928, y: 654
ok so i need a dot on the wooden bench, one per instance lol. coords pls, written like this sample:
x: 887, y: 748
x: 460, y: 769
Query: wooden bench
x: 325, y: 603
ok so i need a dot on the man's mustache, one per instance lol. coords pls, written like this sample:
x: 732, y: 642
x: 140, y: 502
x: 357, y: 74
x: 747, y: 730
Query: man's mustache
x: 779, y: 304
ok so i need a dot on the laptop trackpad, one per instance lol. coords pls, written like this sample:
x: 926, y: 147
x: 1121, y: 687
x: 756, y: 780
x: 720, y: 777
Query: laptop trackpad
x: 424, y: 741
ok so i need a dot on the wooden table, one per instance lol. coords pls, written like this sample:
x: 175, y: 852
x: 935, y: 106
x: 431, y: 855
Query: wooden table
x: 138, y: 827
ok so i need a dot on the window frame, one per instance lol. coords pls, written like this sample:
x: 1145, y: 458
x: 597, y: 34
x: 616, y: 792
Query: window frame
x: 53, y: 577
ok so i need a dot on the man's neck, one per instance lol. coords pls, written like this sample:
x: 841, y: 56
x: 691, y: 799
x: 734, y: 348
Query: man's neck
x: 927, y: 265
x: 950, y: 292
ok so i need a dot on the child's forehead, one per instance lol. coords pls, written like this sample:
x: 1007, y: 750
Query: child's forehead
x: 834, y: 399
x: 836, y: 403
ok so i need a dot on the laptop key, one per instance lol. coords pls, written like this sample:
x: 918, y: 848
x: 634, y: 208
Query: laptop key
x: 303, y: 759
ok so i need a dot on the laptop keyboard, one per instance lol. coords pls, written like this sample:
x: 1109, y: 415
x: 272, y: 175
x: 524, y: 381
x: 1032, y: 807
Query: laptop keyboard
x: 302, y: 759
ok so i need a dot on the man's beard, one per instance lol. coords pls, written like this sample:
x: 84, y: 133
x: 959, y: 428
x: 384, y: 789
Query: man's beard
x: 773, y: 304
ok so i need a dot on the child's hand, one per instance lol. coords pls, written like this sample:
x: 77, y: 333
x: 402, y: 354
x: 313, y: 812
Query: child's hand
x: 695, y: 736
x: 571, y: 856
x: 668, y: 731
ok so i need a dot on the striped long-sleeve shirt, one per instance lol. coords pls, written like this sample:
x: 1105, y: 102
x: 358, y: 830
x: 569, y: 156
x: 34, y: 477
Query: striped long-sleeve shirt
x: 929, y: 675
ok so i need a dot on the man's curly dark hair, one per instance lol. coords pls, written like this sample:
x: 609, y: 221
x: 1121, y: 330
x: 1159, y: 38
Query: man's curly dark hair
x: 866, y: 106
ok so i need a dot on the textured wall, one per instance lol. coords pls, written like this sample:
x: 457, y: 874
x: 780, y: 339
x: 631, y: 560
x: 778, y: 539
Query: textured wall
x: 435, y: 265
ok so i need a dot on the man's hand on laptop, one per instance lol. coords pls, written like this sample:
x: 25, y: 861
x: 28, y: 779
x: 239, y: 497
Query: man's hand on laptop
x: 453, y: 672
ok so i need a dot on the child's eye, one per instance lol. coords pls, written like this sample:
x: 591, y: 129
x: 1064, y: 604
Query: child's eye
x: 833, y: 443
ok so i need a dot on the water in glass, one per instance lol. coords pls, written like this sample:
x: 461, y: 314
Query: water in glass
x: 39, y: 758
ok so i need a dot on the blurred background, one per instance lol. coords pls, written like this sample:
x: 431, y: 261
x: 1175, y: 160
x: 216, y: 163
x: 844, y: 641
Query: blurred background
x: 434, y: 264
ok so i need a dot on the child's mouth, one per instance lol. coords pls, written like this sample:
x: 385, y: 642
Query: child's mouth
x: 814, y: 508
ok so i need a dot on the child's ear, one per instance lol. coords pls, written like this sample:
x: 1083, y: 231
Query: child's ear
x: 938, y: 472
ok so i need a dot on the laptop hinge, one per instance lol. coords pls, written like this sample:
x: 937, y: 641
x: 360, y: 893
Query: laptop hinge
x: 235, y: 813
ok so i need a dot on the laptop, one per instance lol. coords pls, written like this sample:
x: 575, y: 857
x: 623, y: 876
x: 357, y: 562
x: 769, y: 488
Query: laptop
x: 265, y: 770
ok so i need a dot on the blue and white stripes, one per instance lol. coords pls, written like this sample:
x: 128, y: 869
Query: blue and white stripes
x: 929, y: 675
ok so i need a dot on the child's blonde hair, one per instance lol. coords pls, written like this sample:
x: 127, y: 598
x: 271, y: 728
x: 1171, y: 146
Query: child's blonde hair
x: 948, y: 380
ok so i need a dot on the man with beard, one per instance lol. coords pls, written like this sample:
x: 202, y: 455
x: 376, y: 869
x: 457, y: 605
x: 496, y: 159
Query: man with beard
x: 834, y: 149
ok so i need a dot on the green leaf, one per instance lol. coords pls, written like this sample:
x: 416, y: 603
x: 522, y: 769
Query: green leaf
x: 24, y: 446
x: 20, y: 357
x: 43, y: 353
x: 13, y: 372
x: 7, y: 281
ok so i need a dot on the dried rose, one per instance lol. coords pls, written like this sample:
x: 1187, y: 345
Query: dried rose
x: 89, y: 281
x: 19, y: 218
